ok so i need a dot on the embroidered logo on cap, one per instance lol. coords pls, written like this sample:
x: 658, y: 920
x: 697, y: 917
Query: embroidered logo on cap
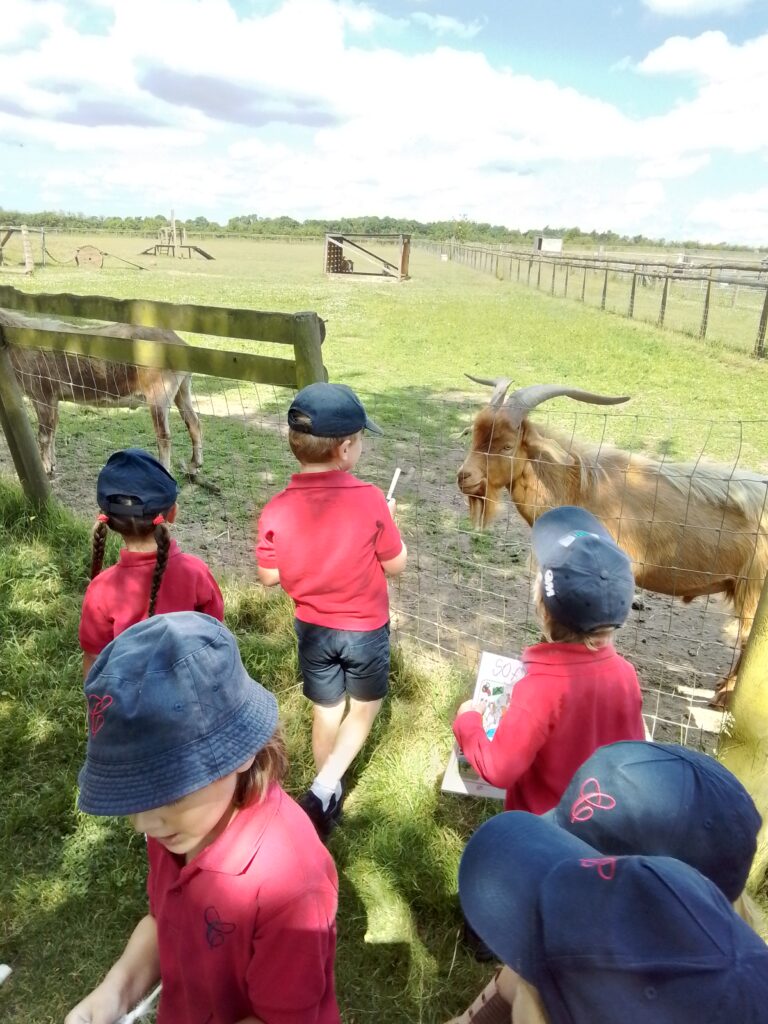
x: 549, y: 583
x: 96, y: 708
x: 590, y: 799
x: 606, y: 866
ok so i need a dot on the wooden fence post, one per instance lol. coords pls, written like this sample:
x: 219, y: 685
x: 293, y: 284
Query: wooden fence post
x: 307, y: 351
x: 663, y: 306
x: 552, y: 286
x: 760, y: 340
x: 605, y: 289
x: 584, y: 283
x: 18, y: 431
x: 705, y: 311
x: 632, y: 290
x: 565, y: 288
x: 538, y: 274
x: 744, y: 746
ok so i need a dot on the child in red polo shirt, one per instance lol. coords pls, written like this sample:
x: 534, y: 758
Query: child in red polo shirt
x: 330, y: 540
x: 578, y: 693
x: 137, y: 498
x: 242, y: 893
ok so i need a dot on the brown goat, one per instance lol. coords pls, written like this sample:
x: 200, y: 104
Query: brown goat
x: 691, y: 529
x: 47, y: 377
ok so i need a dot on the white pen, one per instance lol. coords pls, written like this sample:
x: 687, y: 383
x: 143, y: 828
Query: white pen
x: 393, y: 485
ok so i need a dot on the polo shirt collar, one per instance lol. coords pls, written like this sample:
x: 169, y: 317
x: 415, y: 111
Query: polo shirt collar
x: 328, y: 478
x: 234, y: 849
x: 556, y: 654
x: 129, y: 558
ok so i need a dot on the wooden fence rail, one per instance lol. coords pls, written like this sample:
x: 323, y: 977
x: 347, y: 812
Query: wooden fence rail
x: 304, y: 332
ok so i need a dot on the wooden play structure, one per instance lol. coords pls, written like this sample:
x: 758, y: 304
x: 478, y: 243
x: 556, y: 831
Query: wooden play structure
x: 172, y: 241
x: 340, y: 250
x: 7, y: 232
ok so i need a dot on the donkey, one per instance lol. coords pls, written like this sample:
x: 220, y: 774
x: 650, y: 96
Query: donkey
x: 48, y: 377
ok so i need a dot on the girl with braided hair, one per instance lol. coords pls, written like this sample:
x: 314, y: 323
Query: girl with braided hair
x: 137, y: 498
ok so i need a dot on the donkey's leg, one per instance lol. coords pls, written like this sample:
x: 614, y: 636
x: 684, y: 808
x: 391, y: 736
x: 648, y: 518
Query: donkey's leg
x: 47, y: 412
x: 745, y: 601
x: 159, y: 413
x: 184, y: 404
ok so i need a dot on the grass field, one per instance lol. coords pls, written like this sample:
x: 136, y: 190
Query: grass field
x: 74, y: 885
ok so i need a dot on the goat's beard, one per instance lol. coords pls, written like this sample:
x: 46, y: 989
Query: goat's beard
x: 483, y: 508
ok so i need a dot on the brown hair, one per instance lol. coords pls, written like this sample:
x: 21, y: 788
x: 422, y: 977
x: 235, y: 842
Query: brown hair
x: 557, y: 633
x: 309, y: 449
x: 270, y: 765
x: 133, y: 526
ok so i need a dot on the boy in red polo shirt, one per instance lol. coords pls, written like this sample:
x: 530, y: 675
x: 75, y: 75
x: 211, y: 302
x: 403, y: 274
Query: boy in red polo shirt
x: 242, y: 893
x: 578, y: 693
x: 330, y: 541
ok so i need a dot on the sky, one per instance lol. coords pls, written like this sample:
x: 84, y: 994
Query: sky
x: 640, y: 116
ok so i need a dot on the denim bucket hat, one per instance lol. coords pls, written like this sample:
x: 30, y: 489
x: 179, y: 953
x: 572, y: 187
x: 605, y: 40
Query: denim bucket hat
x: 135, y: 474
x: 587, y: 580
x: 333, y: 410
x: 660, y: 799
x: 171, y: 709
x: 606, y: 939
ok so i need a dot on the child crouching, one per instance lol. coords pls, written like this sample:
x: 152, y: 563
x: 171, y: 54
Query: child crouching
x: 242, y: 893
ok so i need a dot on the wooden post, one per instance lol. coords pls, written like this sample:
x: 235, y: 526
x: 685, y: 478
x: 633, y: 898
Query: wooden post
x: 632, y: 290
x: 663, y: 306
x: 519, y: 262
x: 538, y: 274
x: 744, y: 746
x: 705, y: 311
x: 760, y: 340
x: 584, y: 283
x: 307, y: 351
x: 18, y: 431
x: 173, y: 231
x: 405, y: 255
x: 552, y: 286
x: 530, y: 261
x: 29, y: 262
x: 605, y: 288
x: 565, y: 287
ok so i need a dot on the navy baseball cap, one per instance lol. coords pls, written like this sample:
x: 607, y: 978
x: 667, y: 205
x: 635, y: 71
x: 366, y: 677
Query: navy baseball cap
x: 333, y: 410
x: 171, y: 709
x: 659, y: 799
x: 587, y: 579
x: 604, y: 939
x: 136, y: 475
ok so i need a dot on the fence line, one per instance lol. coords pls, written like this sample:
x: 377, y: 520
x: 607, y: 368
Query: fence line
x: 719, y: 302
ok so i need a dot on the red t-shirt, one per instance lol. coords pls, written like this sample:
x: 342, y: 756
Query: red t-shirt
x: 327, y: 534
x: 570, y: 702
x: 247, y: 928
x: 119, y: 596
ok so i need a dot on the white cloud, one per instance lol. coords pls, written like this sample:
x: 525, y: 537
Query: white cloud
x: 665, y: 167
x: 443, y: 25
x: 742, y: 215
x: 695, y: 8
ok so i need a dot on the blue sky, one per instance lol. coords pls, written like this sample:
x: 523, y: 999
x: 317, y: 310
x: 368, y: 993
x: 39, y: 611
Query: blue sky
x: 644, y: 116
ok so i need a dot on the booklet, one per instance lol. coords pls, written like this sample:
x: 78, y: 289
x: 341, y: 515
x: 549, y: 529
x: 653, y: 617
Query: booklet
x: 496, y: 676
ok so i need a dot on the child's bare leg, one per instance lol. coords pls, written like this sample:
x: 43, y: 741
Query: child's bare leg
x: 351, y: 735
x: 325, y: 729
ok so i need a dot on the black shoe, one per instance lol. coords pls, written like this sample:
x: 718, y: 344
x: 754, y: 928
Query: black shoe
x: 323, y: 820
x: 336, y: 805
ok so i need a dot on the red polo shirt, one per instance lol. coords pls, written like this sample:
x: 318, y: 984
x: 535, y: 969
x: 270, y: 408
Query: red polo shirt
x: 328, y: 534
x: 570, y: 702
x: 119, y: 596
x: 247, y: 928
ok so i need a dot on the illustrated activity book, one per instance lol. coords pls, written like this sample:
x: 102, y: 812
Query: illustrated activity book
x: 496, y: 677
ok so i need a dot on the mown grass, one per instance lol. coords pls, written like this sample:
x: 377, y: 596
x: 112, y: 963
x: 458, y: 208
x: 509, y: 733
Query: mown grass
x: 74, y: 885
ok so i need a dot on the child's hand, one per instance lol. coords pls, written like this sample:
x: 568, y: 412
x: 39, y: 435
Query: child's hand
x: 471, y: 705
x: 392, y: 506
x: 102, y: 1006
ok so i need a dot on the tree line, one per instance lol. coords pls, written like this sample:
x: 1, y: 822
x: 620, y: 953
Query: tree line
x: 252, y: 225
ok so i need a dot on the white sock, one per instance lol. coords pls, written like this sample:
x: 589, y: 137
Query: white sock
x: 324, y: 793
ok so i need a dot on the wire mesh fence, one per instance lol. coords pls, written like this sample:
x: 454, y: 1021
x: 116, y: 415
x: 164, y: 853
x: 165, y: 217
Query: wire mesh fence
x: 464, y: 591
x: 722, y: 304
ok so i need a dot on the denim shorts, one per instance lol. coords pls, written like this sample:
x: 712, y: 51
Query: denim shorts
x: 335, y: 662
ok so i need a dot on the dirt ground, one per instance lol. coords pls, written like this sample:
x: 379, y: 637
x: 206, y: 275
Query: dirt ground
x: 463, y: 592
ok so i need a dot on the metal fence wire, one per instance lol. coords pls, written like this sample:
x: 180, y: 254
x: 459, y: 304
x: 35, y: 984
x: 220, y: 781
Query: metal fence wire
x: 720, y: 303
x: 464, y: 591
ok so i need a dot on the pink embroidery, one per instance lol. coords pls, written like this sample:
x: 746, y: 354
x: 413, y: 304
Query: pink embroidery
x: 590, y: 798
x: 96, y: 708
x: 606, y: 866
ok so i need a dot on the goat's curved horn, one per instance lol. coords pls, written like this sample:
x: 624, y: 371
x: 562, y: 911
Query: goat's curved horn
x: 500, y: 387
x: 522, y: 401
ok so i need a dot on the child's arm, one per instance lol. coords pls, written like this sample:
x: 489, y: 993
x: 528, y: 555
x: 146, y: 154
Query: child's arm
x: 269, y: 577
x: 394, y: 566
x: 88, y: 660
x: 137, y: 970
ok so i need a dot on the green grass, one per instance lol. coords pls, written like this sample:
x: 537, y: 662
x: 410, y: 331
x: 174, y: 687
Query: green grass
x: 74, y: 885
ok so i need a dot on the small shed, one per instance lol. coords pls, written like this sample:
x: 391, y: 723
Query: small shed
x: 547, y: 243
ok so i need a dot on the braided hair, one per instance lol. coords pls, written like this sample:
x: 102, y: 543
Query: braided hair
x: 133, y: 526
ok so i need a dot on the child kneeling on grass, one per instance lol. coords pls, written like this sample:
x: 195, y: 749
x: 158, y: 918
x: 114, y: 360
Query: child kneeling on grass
x: 242, y: 893
x: 330, y: 541
x: 578, y: 693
